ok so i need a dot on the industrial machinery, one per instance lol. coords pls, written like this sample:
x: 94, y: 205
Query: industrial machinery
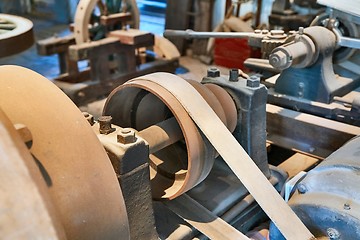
x: 161, y: 135
x: 121, y: 55
x: 16, y: 34
x: 181, y: 159
x: 286, y: 15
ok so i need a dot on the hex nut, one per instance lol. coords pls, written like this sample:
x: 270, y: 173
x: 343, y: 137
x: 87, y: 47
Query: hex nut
x: 253, y: 81
x: 126, y: 136
x: 213, y: 72
x: 278, y: 59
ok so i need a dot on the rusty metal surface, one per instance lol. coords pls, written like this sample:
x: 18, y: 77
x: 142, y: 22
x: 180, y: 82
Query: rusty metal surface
x: 129, y: 156
x: 16, y: 34
x: 80, y: 179
x: 21, y: 179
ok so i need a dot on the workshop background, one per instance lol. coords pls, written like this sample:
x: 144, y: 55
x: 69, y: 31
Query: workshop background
x: 168, y: 119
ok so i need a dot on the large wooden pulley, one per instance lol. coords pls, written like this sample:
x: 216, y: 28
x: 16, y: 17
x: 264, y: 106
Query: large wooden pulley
x: 177, y: 168
x: 79, y: 179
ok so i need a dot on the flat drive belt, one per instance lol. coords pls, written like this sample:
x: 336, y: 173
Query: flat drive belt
x: 234, y: 155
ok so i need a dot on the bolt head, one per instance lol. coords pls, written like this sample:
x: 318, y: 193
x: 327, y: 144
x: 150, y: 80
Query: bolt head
x: 126, y: 136
x: 253, y: 82
x: 333, y: 233
x: 347, y: 206
x: 302, y: 188
x: 278, y: 59
x: 213, y: 72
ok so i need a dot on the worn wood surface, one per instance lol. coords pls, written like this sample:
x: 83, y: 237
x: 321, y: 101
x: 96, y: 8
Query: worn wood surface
x: 297, y: 163
x: 307, y: 133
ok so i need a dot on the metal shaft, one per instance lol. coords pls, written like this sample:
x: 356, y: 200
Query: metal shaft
x: 162, y: 134
x: 193, y: 34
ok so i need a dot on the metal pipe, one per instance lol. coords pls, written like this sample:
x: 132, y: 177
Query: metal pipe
x: 193, y: 34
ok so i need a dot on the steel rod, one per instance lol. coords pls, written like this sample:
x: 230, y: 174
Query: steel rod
x: 193, y: 34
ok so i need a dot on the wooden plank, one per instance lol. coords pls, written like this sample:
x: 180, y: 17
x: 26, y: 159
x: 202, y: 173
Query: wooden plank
x: 134, y: 37
x: 83, y: 51
x: 307, y: 133
x: 297, y: 163
x: 54, y: 45
x: 115, y: 18
x: 202, y: 219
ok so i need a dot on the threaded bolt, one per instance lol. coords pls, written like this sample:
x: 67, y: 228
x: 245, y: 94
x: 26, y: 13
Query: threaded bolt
x: 105, y: 125
x: 213, y: 72
x: 234, y: 75
x: 126, y: 136
x: 253, y: 81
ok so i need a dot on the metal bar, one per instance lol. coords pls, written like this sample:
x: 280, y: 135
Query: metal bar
x: 162, y: 134
x: 194, y: 34
x: 349, y: 42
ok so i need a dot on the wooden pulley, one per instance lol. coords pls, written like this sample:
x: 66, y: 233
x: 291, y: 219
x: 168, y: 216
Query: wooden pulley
x: 177, y: 168
x: 16, y: 34
x: 79, y: 178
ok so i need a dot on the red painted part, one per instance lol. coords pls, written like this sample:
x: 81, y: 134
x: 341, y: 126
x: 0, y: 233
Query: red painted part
x: 232, y: 52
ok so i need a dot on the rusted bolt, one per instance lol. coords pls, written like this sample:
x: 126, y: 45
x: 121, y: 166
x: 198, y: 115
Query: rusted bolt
x: 253, y: 81
x: 234, y: 75
x: 89, y: 118
x: 347, y: 206
x: 126, y: 136
x: 213, y: 72
x: 105, y: 125
x: 302, y: 188
x: 332, y: 233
